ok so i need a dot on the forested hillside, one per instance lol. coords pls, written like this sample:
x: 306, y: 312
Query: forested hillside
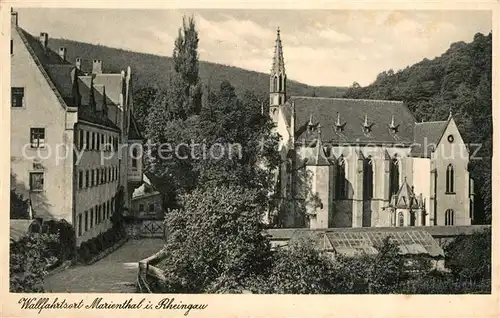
x: 153, y: 71
x: 458, y: 81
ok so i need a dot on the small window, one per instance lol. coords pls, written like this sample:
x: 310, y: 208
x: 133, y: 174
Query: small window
x: 151, y: 207
x: 92, y: 182
x: 11, y: 46
x: 86, y: 221
x: 134, y: 158
x: 98, y: 173
x: 449, y: 217
x: 17, y: 97
x: 87, y: 140
x: 80, y: 224
x: 141, y: 207
x: 86, y: 179
x: 80, y: 179
x: 401, y: 219
x: 93, y: 141
x: 37, y: 137
x: 81, y: 141
x: 98, y: 141
x: 36, y: 181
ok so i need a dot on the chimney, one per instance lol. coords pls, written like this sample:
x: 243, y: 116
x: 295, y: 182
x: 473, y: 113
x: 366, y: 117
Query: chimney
x: 78, y: 63
x: 44, y: 39
x: 62, y: 53
x: 13, y: 18
x: 97, y: 67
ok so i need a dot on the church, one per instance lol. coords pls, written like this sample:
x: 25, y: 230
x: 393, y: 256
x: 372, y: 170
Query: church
x: 364, y: 163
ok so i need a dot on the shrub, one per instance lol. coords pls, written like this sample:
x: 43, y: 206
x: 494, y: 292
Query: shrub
x: 469, y: 257
x: 29, y: 260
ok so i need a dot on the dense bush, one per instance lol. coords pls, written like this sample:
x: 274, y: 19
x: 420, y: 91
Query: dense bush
x: 469, y: 257
x: 29, y: 259
x: 99, y: 243
x: 65, y: 248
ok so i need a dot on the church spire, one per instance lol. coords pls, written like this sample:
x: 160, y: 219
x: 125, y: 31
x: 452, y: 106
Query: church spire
x: 278, y: 60
x: 277, y: 80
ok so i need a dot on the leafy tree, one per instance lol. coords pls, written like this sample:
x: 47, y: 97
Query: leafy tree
x: 143, y: 101
x: 215, y: 241
x: 29, y: 259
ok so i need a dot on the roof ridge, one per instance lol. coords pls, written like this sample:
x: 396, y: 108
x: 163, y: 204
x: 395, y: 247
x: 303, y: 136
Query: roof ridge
x: 432, y: 122
x: 353, y: 99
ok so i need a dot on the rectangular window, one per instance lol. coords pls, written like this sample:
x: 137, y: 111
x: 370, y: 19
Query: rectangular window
x: 86, y: 179
x: 107, y: 210
x: 103, y: 175
x: 92, y: 181
x: 91, y: 217
x: 98, y: 142
x: 80, y: 179
x: 80, y: 224
x: 92, y: 141
x: 17, y: 96
x: 151, y: 207
x: 37, y: 137
x: 97, y: 176
x: 141, y: 207
x: 86, y: 221
x: 81, y: 142
x: 87, y: 140
x: 36, y: 181
x: 11, y: 47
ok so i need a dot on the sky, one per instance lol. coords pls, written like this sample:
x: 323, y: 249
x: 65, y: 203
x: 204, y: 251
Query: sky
x: 327, y: 47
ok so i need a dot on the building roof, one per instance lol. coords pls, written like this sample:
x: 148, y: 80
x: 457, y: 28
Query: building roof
x: 410, y: 242
x: 62, y: 75
x: 145, y: 189
x: 133, y: 130
x: 426, y: 137
x: 405, y: 198
x: 311, y: 111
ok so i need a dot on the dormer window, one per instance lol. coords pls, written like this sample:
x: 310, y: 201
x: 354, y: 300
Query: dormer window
x: 393, y: 127
x: 367, y: 128
x: 339, y: 126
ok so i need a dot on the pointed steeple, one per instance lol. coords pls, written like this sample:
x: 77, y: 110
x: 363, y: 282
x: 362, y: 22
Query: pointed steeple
x: 278, y: 60
x: 277, y: 80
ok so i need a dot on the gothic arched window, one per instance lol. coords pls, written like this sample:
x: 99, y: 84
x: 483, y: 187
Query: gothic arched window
x: 413, y: 218
x: 341, y: 182
x: 401, y: 219
x: 368, y: 179
x: 450, y: 179
x: 275, y: 84
x: 394, y: 177
x: 449, y: 217
x: 280, y: 83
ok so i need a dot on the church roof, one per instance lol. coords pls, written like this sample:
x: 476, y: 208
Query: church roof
x: 426, y: 136
x: 378, y: 115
